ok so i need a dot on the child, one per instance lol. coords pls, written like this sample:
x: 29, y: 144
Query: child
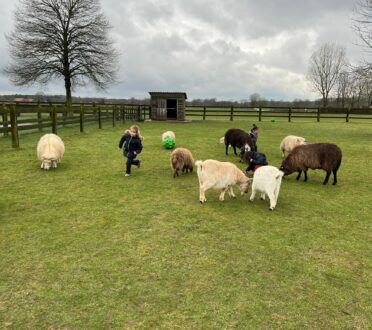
x: 254, y: 160
x: 132, y: 141
x: 254, y: 135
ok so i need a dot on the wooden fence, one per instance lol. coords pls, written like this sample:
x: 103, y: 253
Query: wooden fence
x: 277, y: 113
x: 16, y: 117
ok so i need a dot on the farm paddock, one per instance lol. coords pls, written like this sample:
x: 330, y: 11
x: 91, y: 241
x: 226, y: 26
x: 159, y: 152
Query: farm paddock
x: 84, y: 247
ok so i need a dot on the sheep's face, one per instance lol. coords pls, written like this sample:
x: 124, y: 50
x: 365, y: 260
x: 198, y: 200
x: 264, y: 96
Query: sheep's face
x: 285, y: 168
x: 47, y: 164
x: 244, y: 186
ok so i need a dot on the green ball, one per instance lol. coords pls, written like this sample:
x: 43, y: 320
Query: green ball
x: 169, y: 143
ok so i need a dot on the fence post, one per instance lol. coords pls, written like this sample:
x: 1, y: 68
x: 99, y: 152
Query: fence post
x: 289, y: 114
x: 39, y: 118
x: 144, y: 112
x: 5, y: 120
x: 123, y: 113
x: 232, y: 113
x: 347, y: 114
x: 54, y: 119
x: 318, y: 115
x: 81, y: 119
x: 204, y: 111
x: 14, y: 128
x: 260, y: 114
x: 114, y: 116
x: 99, y: 118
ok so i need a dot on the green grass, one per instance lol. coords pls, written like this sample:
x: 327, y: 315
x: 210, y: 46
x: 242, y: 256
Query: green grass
x: 83, y: 247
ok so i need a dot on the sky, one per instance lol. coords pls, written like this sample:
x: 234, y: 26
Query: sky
x: 223, y: 49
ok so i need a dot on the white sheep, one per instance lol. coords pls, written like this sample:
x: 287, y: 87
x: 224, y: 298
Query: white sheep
x: 168, y: 135
x: 290, y: 142
x: 50, y: 150
x: 220, y: 175
x: 267, y: 180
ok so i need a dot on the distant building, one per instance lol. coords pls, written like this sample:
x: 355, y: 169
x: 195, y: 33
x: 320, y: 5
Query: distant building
x: 168, y: 105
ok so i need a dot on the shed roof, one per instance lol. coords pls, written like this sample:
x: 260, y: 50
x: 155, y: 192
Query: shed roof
x: 169, y: 94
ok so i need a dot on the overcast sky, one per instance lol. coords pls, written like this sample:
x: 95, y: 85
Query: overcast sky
x: 224, y: 49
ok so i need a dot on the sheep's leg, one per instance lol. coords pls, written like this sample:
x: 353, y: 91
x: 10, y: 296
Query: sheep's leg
x: 227, y: 148
x: 299, y: 175
x: 231, y: 192
x: 334, y: 177
x: 327, y: 177
x: 191, y: 169
x: 235, y: 151
x: 222, y: 195
x: 272, y: 200
x: 263, y: 196
x: 202, y: 198
x: 42, y: 165
x: 305, y: 172
x: 252, y: 195
x: 175, y: 173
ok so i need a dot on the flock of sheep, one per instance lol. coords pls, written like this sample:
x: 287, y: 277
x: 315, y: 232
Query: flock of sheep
x: 213, y: 174
x: 266, y: 179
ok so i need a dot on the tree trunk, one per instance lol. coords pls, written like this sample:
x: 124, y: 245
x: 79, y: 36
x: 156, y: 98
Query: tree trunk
x: 68, y: 93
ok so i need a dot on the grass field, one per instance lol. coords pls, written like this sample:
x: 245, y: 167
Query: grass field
x: 83, y: 247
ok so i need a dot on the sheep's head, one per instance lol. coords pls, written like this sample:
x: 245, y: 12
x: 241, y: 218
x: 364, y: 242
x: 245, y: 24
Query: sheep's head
x: 245, y: 185
x: 286, y: 167
x: 47, y: 164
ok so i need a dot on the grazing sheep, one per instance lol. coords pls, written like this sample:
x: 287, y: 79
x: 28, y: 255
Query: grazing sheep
x: 290, y: 142
x: 237, y: 138
x: 168, y: 135
x: 220, y: 175
x: 50, y: 150
x: 267, y: 180
x: 181, y: 160
x: 326, y: 156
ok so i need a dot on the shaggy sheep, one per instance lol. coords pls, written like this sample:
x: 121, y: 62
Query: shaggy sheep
x: 220, y: 175
x: 50, y: 150
x: 168, y: 135
x: 326, y: 156
x: 290, y: 142
x: 181, y: 160
x: 267, y: 180
x: 237, y: 138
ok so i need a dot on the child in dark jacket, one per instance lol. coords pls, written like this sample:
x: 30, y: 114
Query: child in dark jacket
x: 254, y: 160
x: 254, y: 135
x: 132, y: 141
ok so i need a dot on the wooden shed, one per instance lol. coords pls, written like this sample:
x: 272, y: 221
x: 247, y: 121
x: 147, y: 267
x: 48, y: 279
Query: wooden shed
x: 168, y: 105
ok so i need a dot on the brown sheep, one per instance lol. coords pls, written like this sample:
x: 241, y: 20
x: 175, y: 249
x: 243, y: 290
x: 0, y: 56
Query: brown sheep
x: 326, y: 156
x: 181, y: 160
x: 238, y: 138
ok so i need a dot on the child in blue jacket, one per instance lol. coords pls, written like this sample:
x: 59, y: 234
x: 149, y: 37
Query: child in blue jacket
x: 132, y: 141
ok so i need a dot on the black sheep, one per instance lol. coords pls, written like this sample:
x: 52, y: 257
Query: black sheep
x: 326, y: 156
x: 237, y: 138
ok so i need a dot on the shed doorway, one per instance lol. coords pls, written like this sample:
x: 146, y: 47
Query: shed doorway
x: 171, y: 108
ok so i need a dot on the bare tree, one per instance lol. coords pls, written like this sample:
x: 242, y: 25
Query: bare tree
x: 68, y: 38
x: 363, y: 22
x: 325, y: 67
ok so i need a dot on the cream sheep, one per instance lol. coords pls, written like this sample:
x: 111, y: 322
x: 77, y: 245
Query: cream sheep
x: 168, y: 135
x: 50, y: 150
x: 267, y: 180
x: 181, y: 160
x: 290, y: 142
x: 220, y: 175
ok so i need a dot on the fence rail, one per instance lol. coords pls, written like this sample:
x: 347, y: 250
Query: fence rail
x: 15, y: 117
